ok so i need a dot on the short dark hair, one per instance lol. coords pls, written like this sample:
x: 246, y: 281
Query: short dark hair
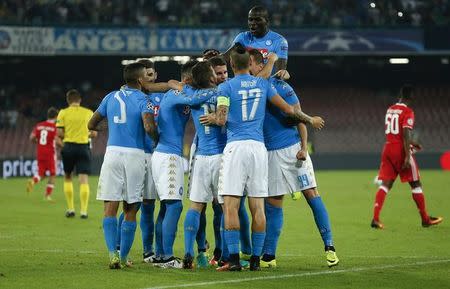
x: 240, y: 58
x: 260, y: 9
x: 406, y: 92
x: 52, y: 112
x: 73, y: 96
x: 186, y: 69
x: 257, y: 56
x: 132, y: 72
x: 201, y: 74
x: 147, y: 63
x: 217, y: 61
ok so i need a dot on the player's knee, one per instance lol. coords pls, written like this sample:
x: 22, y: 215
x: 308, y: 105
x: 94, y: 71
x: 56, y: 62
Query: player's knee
x: 276, y: 201
x: 415, y: 184
x: 310, y: 193
x: 199, y: 207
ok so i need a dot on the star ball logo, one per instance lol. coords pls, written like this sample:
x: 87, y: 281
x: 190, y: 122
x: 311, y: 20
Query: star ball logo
x: 5, y: 40
x: 337, y: 41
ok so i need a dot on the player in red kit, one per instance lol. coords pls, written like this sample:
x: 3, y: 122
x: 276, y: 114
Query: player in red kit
x: 398, y: 159
x: 44, y: 135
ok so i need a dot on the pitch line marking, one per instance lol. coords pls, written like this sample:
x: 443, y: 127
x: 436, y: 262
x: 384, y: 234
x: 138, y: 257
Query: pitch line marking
x: 307, y: 274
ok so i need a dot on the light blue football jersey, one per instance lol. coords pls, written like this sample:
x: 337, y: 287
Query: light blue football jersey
x: 271, y: 42
x: 174, y: 112
x: 248, y: 96
x: 277, y: 135
x: 211, y: 140
x: 123, y: 110
x: 153, y: 101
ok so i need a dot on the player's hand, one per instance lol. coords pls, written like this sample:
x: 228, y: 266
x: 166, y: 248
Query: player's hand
x: 210, y: 53
x: 272, y: 57
x: 301, y: 154
x: 175, y: 84
x: 406, y: 164
x: 282, y: 74
x: 317, y: 122
x: 207, y: 119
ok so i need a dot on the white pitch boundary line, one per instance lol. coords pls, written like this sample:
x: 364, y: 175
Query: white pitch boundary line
x: 307, y: 274
x: 367, y: 257
x: 48, y: 251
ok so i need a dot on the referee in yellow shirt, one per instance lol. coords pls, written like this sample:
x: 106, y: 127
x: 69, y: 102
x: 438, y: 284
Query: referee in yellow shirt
x: 72, y: 129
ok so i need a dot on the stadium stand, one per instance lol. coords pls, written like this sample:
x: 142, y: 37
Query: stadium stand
x: 181, y: 13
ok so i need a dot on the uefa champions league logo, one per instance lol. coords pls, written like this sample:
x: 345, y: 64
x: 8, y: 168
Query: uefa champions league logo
x: 338, y: 41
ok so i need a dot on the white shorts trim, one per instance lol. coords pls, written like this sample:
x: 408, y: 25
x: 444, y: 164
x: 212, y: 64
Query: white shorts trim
x: 244, y: 169
x: 287, y: 175
x: 204, y: 178
x: 168, y: 175
x: 122, y: 175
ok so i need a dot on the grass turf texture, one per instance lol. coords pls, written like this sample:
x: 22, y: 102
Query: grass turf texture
x: 40, y: 248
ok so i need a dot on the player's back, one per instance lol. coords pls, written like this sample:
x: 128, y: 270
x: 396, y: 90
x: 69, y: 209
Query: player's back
x: 248, y: 96
x: 211, y: 139
x: 45, y: 133
x: 172, y: 119
x: 398, y: 116
x: 277, y: 134
x: 123, y: 109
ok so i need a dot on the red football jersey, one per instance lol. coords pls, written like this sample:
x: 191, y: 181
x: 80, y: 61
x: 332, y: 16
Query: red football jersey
x: 398, y: 116
x: 45, y: 133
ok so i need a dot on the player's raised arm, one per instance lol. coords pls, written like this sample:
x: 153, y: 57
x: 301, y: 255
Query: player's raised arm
x: 296, y: 113
x: 303, y: 133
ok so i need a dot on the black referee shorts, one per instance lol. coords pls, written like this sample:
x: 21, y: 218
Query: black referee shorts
x: 76, y: 156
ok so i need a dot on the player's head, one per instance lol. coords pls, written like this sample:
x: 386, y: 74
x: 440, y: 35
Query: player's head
x: 73, y: 97
x: 258, y: 21
x: 256, y: 61
x: 203, y: 75
x: 186, y: 71
x: 149, y: 69
x: 220, y: 68
x: 135, y: 75
x: 52, y: 113
x: 406, y: 93
x: 239, y: 59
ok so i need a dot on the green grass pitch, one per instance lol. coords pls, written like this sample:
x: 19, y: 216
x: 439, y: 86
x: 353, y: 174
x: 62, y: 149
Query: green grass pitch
x: 40, y: 248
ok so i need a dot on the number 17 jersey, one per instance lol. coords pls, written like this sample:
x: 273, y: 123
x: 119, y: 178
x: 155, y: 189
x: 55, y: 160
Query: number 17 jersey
x: 398, y: 116
x: 247, y: 97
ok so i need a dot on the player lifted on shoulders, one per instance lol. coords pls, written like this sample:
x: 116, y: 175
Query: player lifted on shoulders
x: 290, y: 171
x: 46, y: 139
x: 398, y: 158
x: 241, y: 107
x: 123, y: 170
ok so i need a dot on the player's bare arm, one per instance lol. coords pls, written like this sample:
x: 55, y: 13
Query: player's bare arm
x: 296, y: 113
x: 159, y: 86
x: 303, y: 133
x: 96, y: 122
x: 407, y: 136
x: 60, y: 132
x: 150, y: 126
x: 218, y: 118
x: 267, y: 70
x: 281, y: 64
x: 58, y: 142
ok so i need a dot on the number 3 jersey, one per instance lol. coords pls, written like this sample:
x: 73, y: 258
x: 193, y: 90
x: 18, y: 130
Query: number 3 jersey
x: 124, y: 109
x: 45, y: 133
x: 398, y: 116
x: 247, y: 96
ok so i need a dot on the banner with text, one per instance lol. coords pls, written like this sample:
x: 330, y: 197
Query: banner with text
x: 139, y: 41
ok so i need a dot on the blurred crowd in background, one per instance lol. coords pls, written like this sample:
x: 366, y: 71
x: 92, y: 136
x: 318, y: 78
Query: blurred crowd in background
x: 222, y: 13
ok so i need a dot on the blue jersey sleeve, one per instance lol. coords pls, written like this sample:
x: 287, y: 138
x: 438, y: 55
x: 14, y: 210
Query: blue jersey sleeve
x: 281, y: 48
x: 102, y: 108
x: 239, y: 39
x: 291, y: 96
x: 271, y: 90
